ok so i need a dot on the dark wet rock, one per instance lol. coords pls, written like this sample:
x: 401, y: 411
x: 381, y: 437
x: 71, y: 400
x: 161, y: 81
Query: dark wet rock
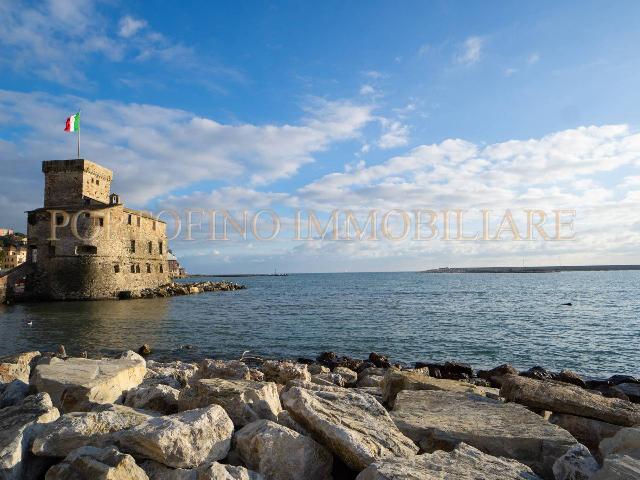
x: 379, y: 361
x: 539, y: 373
x: 569, y: 376
x: 457, y: 371
x: 611, y: 391
x: 13, y: 393
x: 144, y: 350
x: 306, y: 361
x: 631, y: 390
x: 618, y: 379
x: 328, y: 359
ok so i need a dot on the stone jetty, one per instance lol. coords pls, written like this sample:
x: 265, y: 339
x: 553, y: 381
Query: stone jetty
x: 176, y: 289
x: 330, y: 418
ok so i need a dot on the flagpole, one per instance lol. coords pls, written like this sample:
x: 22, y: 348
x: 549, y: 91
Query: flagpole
x: 79, y: 133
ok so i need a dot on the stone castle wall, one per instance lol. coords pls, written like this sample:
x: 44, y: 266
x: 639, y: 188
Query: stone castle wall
x: 70, y: 182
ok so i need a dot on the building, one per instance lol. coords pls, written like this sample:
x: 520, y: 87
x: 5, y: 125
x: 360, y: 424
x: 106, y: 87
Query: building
x: 12, y: 256
x: 5, y: 231
x: 175, y: 270
x: 85, y: 244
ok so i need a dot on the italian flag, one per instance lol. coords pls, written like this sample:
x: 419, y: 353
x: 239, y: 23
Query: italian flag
x: 73, y: 123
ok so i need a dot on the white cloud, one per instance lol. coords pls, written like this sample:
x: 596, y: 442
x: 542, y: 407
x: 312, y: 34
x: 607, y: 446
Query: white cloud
x: 395, y: 134
x: 424, y: 50
x: 470, y: 51
x: 533, y: 58
x: 129, y: 26
x: 367, y: 90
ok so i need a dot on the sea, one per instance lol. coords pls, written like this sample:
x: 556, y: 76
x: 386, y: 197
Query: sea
x: 481, y: 319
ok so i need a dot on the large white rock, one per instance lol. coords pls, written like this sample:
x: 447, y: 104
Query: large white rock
x: 441, y: 420
x: 576, y: 464
x: 463, y: 463
x: 565, y: 398
x: 90, y: 463
x: 78, y: 429
x: 395, y: 381
x: 160, y: 398
x: 13, y: 393
x: 283, y: 372
x: 16, y: 367
x: 18, y: 426
x: 350, y: 377
x: 185, y: 440
x: 587, y: 431
x: 625, y: 442
x: 229, y: 369
x: 174, y: 374
x: 280, y: 453
x: 618, y: 467
x: 245, y: 401
x: 354, y: 426
x: 76, y: 384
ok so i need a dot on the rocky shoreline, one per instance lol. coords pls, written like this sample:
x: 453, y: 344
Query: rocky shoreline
x: 176, y: 289
x: 331, y: 417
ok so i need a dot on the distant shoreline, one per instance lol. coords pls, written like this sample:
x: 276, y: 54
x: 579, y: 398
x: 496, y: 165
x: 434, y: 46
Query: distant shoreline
x: 550, y: 269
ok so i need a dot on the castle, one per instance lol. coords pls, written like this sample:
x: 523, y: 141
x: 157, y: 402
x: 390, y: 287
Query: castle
x: 85, y: 244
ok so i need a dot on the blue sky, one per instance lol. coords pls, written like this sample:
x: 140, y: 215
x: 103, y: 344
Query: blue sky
x: 246, y: 105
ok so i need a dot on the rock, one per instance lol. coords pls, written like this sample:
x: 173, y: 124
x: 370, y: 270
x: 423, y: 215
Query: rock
x: 315, y: 369
x: 256, y: 375
x: 18, y: 426
x: 350, y: 377
x: 631, y: 390
x: 494, y: 376
x: 144, y: 350
x: 618, y: 467
x: 90, y: 463
x: 286, y: 420
x: 25, y: 358
x: 463, y: 463
x: 218, y: 471
x: 78, y: 429
x: 576, y: 464
x: 77, y: 383
x: 158, y: 471
x: 395, y: 381
x: 587, y: 431
x: 440, y: 420
x: 14, y: 371
x: 268, y: 448
x: 379, y: 361
x: 160, y: 398
x: 62, y: 352
x: 13, y: 393
x: 244, y: 401
x: 564, y: 398
x: 282, y: 372
x: 354, y: 426
x: 328, y: 359
x: 379, y: 372
x: 539, y: 373
x: 316, y: 387
x: 231, y: 370
x: 182, y: 440
x: 328, y: 379
x: 456, y: 371
x: 610, y: 391
x: 625, y: 442
x: 568, y: 376
x: 175, y: 374
x: 618, y: 379
x: 370, y: 381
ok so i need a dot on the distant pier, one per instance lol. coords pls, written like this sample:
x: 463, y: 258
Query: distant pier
x: 550, y: 269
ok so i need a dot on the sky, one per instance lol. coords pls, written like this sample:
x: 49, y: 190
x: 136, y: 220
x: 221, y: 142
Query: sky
x: 288, y: 108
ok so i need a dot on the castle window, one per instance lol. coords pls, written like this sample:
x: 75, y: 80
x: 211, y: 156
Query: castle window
x: 154, y: 224
x: 133, y: 246
x: 129, y: 221
x: 133, y: 268
x: 161, y: 269
x: 101, y: 221
x: 97, y: 182
x: 116, y: 269
x: 148, y: 268
x: 160, y: 248
x: 150, y: 247
x: 137, y: 268
x: 86, y: 250
x: 92, y: 180
x: 139, y: 221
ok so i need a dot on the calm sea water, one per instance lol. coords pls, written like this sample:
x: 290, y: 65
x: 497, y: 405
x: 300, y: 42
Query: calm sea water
x: 483, y: 319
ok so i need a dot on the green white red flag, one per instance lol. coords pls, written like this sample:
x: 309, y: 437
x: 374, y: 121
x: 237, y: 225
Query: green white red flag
x: 73, y: 123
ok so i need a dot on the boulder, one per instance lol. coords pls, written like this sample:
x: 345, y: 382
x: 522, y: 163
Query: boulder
x: 328, y: 379
x: 564, y: 398
x: 587, y: 431
x: 618, y: 379
x: 212, y: 471
x: 76, y: 384
x: 439, y: 420
x: 456, y: 371
x: 354, y: 426
x: 631, y: 390
x: 13, y: 393
x: 78, y: 429
x: 175, y: 374
x: 395, y: 381
x: 380, y: 361
x: 316, y: 368
x: 494, y: 376
x: 18, y: 426
x: 282, y: 372
x: 618, y: 467
x: 24, y: 358
x: 245, y: 401
x: 379, y: 372
x: 14, y: 371
x: 576, y: 464
x: 538, y: 373
x: 160, y: 398
x: 463, y: 463
x: 269, y: 449
x: 182, y: 440
x: 569, y: 376
x: 229, y: 369
x: 625, y: 442
x: 286, y: 420
x: 350, y: 377
x: 370, y: 381
x: 90, y: 463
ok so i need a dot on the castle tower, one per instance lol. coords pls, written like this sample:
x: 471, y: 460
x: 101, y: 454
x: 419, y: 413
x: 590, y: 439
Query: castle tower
x: 75, y: 183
